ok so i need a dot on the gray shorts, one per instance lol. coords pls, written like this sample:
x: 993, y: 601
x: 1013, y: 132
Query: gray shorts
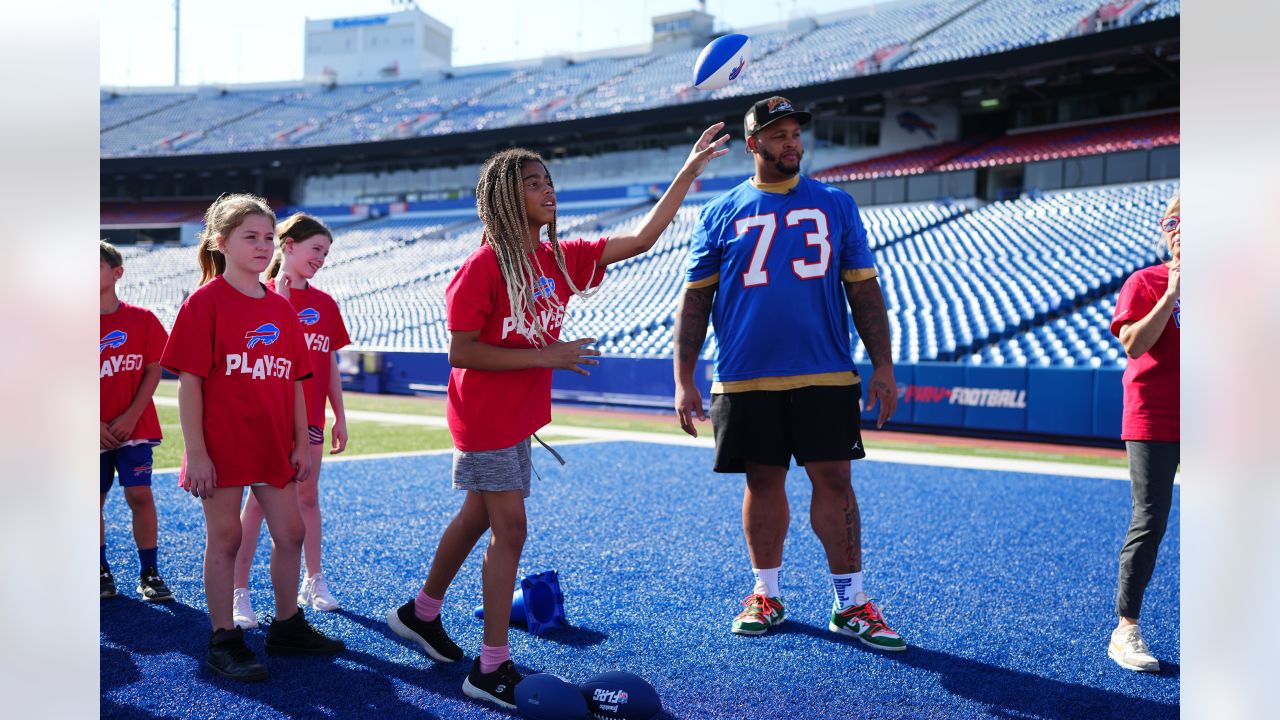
x: 494, y: 470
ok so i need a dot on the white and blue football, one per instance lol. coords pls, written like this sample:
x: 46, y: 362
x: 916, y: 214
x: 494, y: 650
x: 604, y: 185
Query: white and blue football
x: 547, y: 697
x: 721, y: 62
x: 619, y: 695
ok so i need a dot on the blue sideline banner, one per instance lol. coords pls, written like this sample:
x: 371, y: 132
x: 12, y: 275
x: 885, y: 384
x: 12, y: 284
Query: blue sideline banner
x: 1038, y: 401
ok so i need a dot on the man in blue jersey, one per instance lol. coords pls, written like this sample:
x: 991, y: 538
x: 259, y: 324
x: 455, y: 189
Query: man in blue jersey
x: 773, y: 262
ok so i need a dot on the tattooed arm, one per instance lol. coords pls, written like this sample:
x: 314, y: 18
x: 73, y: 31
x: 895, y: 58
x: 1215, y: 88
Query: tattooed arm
x: 866, y: 302
x: 692, y: 315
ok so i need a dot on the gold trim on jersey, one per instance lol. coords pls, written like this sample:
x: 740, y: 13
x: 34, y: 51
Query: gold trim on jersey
x: 854, y: 275
x: 778, y: 187
x: 786, y: 382
x: 704, y: 282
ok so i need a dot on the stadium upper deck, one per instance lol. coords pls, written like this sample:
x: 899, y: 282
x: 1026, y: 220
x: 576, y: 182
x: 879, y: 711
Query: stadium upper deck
x: 905, y: 35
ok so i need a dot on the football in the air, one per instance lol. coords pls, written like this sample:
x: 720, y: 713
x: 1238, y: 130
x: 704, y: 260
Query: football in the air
x: 721, y: 62
x: 548, y: 697
x: 619, y: 695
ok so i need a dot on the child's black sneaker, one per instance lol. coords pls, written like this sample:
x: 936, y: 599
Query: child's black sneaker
x: 107, y: 582
x: 296, y: 636
x: 429, y: 635
x: 497, y: 687
x: 152, y: 588
x: 230, y: 657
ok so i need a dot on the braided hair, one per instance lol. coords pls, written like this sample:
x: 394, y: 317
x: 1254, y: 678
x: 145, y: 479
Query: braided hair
x: 500, y: 204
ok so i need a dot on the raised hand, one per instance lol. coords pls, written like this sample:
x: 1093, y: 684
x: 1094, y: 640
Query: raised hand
x: 705, y: 149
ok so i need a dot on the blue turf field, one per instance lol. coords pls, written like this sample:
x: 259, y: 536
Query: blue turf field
x: 1003, y: 583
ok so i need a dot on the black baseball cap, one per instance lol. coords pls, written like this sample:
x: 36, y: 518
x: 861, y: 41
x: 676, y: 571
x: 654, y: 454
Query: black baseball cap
x: 770, y: 110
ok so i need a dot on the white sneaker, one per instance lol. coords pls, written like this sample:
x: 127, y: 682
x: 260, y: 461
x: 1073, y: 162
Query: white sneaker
x: 1130, y: 651
x: 242, y: 613
x: 315, y: 594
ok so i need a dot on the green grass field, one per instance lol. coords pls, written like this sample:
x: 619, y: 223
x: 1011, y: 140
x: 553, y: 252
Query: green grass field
x: 370, y: 437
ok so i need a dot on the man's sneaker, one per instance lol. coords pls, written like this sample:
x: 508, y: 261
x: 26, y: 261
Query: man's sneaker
x: 152, y: 588
x: 107, y: 582
x: 429, y: 635
x: 1130, y: 651
x: 296, y: 636
x: 230, y: 657
x: 864, y: 621
x: 242, y: 613
x: 497, y: 687
x: 315, y: 594
x: 760, y: 612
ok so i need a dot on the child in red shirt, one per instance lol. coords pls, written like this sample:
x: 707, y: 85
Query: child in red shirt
x: 240, y: 356
x: 302, y: 244
x: 129, y: 351
x: 505, y: 310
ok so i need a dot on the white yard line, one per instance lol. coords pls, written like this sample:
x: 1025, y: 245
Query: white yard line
x: 588, y: 434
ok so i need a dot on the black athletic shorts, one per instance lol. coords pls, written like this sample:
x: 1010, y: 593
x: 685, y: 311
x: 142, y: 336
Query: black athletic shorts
x: 769, y: 427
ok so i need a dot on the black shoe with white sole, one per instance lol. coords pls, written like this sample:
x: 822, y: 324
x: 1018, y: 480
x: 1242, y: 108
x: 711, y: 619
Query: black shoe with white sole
x: 152, y: 588
x: 429, y: 635
x: 497, y: 687
x: 296, y: 636
x: 230, y: 657
x: 106, y: 582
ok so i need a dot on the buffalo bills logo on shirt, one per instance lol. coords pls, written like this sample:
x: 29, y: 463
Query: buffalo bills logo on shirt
x: 1177, y: 313
x: 310, y: 316
x: 265, y: 335
x: 113, y: 339
x: 546, y: 286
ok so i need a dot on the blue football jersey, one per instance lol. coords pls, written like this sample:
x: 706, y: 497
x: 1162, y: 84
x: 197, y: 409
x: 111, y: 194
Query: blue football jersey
x: 780, y: 259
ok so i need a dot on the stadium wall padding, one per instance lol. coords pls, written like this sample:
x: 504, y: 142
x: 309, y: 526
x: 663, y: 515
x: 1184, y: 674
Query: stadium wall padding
x: 1070, y: 403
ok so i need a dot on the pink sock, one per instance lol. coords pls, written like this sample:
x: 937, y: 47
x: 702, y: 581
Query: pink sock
x: 425, y: 607
x: 491, y: 657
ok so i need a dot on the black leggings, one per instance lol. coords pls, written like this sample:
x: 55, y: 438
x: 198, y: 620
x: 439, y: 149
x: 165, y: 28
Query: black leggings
x: 1152, y: 466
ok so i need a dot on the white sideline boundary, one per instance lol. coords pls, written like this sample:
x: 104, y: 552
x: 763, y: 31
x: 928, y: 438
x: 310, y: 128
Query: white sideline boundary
x: 588, y: 435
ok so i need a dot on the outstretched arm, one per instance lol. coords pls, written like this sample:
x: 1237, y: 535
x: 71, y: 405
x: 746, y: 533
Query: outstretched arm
x: 692, y: 316
x: 467, y: 351
x: 870, y: 317
x: 621, y: 247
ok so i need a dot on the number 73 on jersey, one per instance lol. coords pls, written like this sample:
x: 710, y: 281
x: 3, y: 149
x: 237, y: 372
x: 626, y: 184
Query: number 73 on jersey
x: 803, y: 267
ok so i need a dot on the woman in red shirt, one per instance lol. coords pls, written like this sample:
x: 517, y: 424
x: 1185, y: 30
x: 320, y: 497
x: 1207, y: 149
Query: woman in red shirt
x: 1148, y: 321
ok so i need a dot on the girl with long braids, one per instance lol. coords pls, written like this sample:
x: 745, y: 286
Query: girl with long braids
x: 505, y: 308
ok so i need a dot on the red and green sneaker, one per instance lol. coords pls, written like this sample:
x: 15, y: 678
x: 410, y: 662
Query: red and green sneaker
x: 865, y: 622
x: 760, y: 612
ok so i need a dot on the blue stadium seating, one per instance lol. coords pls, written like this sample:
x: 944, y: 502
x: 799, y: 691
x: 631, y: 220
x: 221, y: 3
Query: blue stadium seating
x: 901, y: 35
x: 1031, y: 281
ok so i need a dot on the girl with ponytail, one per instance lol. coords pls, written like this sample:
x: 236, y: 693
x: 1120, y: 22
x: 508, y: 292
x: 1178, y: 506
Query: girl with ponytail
x: 239, y: 354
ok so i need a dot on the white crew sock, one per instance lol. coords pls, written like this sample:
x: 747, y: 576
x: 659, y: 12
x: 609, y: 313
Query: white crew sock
x: 847, y: 587
x: 767, y: 581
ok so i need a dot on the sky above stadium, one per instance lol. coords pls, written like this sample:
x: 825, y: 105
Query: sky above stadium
x: 247, y: 41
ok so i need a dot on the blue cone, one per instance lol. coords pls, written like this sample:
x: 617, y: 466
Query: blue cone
x: 538, y: 604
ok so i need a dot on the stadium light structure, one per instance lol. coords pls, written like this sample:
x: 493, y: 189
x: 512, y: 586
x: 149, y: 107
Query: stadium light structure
x: 177, y: 39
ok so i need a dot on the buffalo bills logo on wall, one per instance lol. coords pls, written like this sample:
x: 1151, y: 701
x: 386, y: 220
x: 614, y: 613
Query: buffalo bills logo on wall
x: 310, y: 316
x: 546, y: 286
x: 912, y: 122
x: 264, y: 335
x: 113, y: 339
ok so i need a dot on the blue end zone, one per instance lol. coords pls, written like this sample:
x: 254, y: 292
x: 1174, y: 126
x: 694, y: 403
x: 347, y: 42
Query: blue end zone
x: 1003, y: 583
